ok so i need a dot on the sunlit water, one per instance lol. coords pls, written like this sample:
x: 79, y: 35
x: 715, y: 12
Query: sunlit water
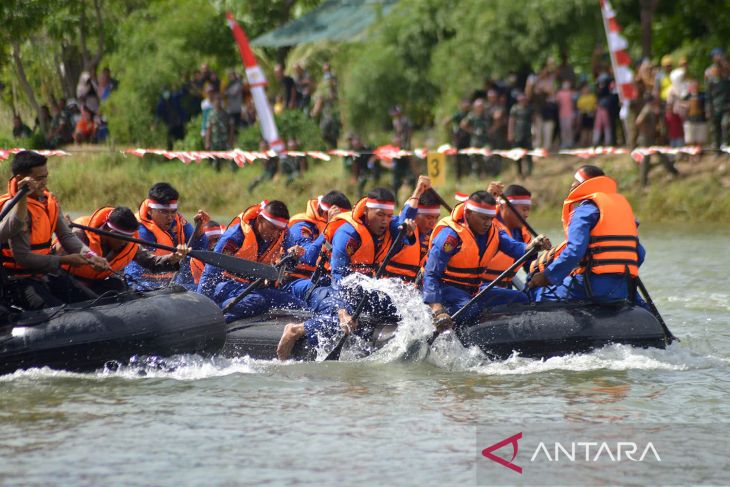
x: 376, y: 421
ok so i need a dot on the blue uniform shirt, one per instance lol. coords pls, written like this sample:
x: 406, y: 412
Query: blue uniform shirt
x: 230, y: 242
x: 346, y: 236
x: 584, y: 218
x: 136, y: 271
x: 438, y: 258
x: 305, y: 234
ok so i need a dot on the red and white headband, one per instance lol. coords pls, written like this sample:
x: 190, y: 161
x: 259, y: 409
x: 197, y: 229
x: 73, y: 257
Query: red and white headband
x: 275, y: 220
x: 323, y: 206
x: 581, y: 176
x: 379, y: 204
x: 213, y: 231
x: 483, y: 208
x: 116, y: 229
x: 524, y: 200
x: 461, y: 197
x: 156, y: 205
x: 429, y: 210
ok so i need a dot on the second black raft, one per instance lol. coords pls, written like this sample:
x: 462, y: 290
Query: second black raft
x: 112, y: 329
x: 537, y: 330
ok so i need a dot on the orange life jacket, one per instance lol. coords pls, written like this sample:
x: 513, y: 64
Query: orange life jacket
x: 196, y: 269
x: 43, y: 219
x: 407, y: 262
x: 161, y: 237
x: 366, y: 258
x: 613, y: 244
x: 312, y: 216
x: 120, y: 259
x: 249, y: 250
x: 466, y: 269
x: 502, y: 261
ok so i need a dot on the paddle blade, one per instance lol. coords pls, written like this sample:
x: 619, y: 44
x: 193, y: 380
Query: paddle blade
x: 235, y: 265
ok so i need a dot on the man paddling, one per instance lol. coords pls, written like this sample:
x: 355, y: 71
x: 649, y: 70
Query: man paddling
x: 34, y: 275
x: 256, y: 234
x: 307, y: 231
x: 408, y: 262
x: 118, y: 253
x: 360, y: 240
x: 520, y: 200
x: 463, y: 246
x: 601, y: 256
x: 160, y: 222
x: 15, y: 219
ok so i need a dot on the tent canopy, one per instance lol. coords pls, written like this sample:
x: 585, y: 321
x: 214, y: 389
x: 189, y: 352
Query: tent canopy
x: 334, y: 20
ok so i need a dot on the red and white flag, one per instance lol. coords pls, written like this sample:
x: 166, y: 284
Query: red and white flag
x: 620, y: 59
x: 257, y: 81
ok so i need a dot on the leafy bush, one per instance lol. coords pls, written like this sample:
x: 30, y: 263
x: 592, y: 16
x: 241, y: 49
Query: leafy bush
x: 291, y: 123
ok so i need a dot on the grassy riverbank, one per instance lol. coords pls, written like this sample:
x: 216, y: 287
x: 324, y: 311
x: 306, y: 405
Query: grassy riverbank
x: 87, y: 180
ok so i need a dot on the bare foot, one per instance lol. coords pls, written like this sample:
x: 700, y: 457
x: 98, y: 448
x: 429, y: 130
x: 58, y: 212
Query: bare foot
x: 292, y: 333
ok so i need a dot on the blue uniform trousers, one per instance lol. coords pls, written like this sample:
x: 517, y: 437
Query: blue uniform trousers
x: 454, y: 299
x: 256, y: 303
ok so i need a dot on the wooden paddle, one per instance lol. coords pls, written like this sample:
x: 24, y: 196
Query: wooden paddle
x: 335, y: 353
x: 234, y: 265
x: 281, y: 266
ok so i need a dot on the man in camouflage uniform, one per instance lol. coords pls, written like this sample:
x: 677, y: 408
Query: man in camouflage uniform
x: 717, y: 81
x: 477, y: 125
x: 219, y: 131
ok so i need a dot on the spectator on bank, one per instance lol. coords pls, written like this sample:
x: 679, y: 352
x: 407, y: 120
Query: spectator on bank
x: 565, y: 71
x: 85, y: 131
x: 647, y: 125
x: 662, y: 82
x: 460, y: 137
x: 106, y: 84
x: 169, y: 111
x: 219, y: 132
x: 586, y: 104
x: 602, y: 123
x: 287, y: 86
x: 86, y: 93
x: 326, y: 109
x: 234, y: 99
x: 476, y: 124
x: 717, y: 84
x: 673, y: 123
x: 364, y: 167
x: 206, y: 106
x: 566, y: 110
x: 20, y: 130
x: 44, y: 116
x: 291, y: 165
x: 519, y: 133
x: 304, y: 87
x: 60, y: 131
x: 692, y: 110
x: 269, y: 167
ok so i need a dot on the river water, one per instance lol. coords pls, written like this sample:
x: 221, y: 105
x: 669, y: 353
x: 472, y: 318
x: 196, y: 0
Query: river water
x: 378, y: 421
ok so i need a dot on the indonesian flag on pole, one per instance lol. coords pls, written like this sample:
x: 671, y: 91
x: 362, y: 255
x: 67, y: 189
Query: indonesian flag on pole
x: 257, y: 81
x: 620, y: 58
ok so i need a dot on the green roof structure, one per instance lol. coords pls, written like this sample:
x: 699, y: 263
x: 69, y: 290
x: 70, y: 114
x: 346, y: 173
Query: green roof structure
x: 334, y: 20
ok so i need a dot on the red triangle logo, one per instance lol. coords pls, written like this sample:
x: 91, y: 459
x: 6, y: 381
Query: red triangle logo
x: 487, y: 452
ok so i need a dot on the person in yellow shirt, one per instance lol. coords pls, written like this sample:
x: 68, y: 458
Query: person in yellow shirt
x: 586, y: 104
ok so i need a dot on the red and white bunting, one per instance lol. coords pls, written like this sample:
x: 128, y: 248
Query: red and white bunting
x: 640, y: 153
x: 620, y: 59
x: 5, y: 153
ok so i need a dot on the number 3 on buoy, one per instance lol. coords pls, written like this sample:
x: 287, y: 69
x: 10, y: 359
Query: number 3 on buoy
x: 436, y: 162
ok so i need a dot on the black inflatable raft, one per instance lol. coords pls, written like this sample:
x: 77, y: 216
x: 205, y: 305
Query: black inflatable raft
x: 86, y: 336
x: 538, y: 330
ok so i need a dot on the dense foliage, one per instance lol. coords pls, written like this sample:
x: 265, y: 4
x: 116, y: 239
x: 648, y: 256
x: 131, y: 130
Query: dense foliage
x: 423, y: 55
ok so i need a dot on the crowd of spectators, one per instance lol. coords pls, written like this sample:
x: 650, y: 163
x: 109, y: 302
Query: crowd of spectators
x: 76, y: 120
x: 556, y: 108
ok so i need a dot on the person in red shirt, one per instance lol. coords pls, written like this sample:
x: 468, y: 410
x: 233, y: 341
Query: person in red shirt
x: 85, y: 128
x: 675, y: 132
